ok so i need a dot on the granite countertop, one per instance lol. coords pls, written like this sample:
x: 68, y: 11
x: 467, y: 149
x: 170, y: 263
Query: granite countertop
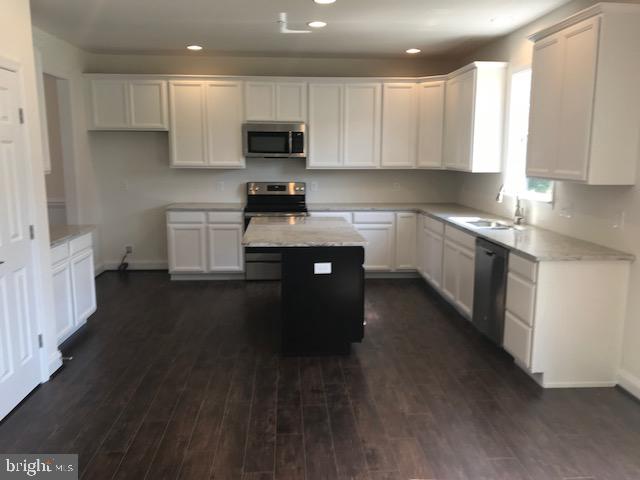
x: 210, y: 206
x: 61, y: 233
x: 301, y: 232
x: 532, y: 242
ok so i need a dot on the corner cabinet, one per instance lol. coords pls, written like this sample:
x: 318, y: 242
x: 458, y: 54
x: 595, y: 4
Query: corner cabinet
x: 128, y: 104
x: 474, y: 118
x: 200, y: 242
x: 206, y: 124
x: 584, y: 124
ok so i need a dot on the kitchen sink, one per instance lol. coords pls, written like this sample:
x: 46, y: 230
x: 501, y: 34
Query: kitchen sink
x: 484, y: 223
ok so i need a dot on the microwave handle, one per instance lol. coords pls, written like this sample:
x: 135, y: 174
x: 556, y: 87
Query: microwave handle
x: 290, y: 142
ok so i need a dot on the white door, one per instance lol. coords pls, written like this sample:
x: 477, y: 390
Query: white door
x: 580, y: 55
x: 19, y: 362
x: 378, y: 254
x: 430, y: 124
x: 434, y: 253
x: 466, y: 278
x: 406, y: 237
x: 291, y: 102
x: 450, y: 270
x: 148, y: 104
x: 187, y: 136
x: 186, y: 245
x: 63, y: 301
x: 83, y: 289
x: 362, y: 117
x: 260, y: 101
x: 225, y: 248
x: 325, y: 125
x: 399, y: 125
x: 544, y: 117
x: 224, y: 124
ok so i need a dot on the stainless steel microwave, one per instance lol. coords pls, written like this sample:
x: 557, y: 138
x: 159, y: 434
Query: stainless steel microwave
x: 274, y: 140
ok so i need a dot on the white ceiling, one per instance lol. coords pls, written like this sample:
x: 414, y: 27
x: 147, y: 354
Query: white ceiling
x: 356, y: 28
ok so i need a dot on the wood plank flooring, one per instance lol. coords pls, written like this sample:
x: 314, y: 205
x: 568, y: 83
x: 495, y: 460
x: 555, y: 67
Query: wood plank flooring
x: 182, y: 380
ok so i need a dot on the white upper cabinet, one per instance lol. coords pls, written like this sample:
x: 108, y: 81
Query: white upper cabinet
x: 584, y: 124
x: 128, y: 104
x: 271, y: 101
x: 206, y: 122
x: 399, y: 125
x: 325, y: 125
x: 430, y: 123
x: 362, y: 115
x: 224, y: 124
x: 474, y: 113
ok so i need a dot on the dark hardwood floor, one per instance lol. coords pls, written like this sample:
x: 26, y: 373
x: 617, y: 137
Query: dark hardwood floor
x: 182, y: 380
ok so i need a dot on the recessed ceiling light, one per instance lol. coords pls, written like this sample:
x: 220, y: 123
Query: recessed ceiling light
x: 317, y: 24
x: 194, y: 48
x: 413, y: 51
x: 324, y: 2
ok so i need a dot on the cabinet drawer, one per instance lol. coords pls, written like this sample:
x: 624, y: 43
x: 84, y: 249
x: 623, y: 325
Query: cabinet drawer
x: 521, y: 297
x: 59, y: 253
x: 81, y: 243
x: 346, y: 215
x: 433, y: 225
x: 461, y: 238
x: 525, y: 268
x: 224, y: 217
x: 517, y: 339
x: 186, y: 217
x: 373, y: 217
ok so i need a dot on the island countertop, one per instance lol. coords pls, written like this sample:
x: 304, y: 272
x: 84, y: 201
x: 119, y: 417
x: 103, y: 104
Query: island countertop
x: 301, y: 232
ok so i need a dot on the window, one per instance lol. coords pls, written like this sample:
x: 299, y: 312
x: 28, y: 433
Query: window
x: 516, y: 181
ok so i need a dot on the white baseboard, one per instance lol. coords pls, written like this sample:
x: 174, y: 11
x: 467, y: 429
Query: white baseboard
x: 629, y: 382
x: 137, y: 265
x: 182, y: 277
x: 403, y: 274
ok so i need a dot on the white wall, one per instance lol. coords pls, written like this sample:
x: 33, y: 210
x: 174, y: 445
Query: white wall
x: 136, y: 184
x: 585, y: 212
x: 16, y: 45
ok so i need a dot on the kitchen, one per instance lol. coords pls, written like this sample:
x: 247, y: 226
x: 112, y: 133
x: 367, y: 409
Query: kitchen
x: 490, y: 191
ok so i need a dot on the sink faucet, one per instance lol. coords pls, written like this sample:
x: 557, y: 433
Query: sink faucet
x: 518, y: 215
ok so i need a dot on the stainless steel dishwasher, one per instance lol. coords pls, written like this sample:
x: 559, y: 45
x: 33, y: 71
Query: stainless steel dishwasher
x: 490, y: 289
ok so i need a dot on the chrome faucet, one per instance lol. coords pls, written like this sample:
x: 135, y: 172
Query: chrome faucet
x: 518, y: 215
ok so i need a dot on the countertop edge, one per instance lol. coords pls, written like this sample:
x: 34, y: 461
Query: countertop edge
x: 75, y: 232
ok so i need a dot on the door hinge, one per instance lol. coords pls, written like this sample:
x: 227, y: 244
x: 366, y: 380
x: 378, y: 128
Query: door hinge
x: 40, y: 341
x: 32, y: 232
x: 21, y: 115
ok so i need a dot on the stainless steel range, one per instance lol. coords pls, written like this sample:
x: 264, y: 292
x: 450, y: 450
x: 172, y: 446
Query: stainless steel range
x: 270, y: 199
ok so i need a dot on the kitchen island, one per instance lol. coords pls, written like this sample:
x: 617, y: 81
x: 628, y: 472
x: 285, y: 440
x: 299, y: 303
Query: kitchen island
x: 322, y: 286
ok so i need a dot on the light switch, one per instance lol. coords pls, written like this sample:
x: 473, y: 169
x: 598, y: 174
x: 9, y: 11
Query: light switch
x: 322, y: 268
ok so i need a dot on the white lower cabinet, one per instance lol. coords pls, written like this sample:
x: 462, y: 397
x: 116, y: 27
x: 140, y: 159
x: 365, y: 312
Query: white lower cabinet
x: 458, y: 269
x: 517, y: 339
x: 378, y: 254
x: 434, y: 245
x: 74, y: 289
x: 200, y: 243
x: 406, y: 238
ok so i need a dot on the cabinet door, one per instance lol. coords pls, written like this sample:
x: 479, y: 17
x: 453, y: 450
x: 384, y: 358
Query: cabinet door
x: 546, y: 92
x: 109, y: 104
x: 459, y: 106
x: 148, y: 104
x: 186, y: 248
x: 378, y: 254
x: 399, y: 125
x: 452, y: 111
x: 430, y: 124
x: 83, y: 286
x: 450, y: 270
x: 187, y: 136
x: 421, y: 251
x: 362, y: 117
x: 260, y: 101
x: 224, y: 124
x: 580, y: 55
x: 291, y: 102
x: 62, y: 301
x: 406, y: 237
x: 434, y: 257
x: 325, y: 125
x: 225, y: 248
x: 466, y: 277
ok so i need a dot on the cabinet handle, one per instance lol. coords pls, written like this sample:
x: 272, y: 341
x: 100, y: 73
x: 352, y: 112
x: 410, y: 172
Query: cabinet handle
x: 489, y: 253
x: 1, y: 262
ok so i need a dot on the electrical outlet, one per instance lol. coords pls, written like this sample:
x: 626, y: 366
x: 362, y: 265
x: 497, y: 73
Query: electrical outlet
x: 314, y: 186
x: 396, y: 185
x: 619, y: 220
x: 128, y: 249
